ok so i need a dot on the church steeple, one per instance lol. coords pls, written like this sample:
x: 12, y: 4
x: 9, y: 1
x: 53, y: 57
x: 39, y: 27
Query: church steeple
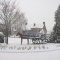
x: 44, y: 23
x: 34, y: 24
x: 44, y: 28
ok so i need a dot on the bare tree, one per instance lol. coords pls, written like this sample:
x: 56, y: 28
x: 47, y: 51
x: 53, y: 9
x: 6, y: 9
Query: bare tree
x: 10, y: 15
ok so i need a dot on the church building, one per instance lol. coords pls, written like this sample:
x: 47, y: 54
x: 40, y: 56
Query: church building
x: 41, y: 30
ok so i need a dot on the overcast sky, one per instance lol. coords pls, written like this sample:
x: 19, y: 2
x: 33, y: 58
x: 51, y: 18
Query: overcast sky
x: 37, y: 11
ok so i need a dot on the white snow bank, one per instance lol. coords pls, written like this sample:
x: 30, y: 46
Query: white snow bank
x: 28, y: 48
x: 30, y: 52
x: 17, y: 40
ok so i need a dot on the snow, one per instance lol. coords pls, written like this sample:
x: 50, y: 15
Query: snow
x: 16, y: 40
x: 15, y: 51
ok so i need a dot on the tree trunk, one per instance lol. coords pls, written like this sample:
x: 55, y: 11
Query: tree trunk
x: 6, y: 35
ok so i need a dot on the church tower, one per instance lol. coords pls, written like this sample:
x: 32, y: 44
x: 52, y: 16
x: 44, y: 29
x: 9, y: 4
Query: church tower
x: 44, y: 28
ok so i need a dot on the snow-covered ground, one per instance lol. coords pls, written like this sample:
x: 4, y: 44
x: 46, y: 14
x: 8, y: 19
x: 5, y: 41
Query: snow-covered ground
x: 15, y: 51
x: 16, y: 40
x: 16, y: 48
x: 51, y: 55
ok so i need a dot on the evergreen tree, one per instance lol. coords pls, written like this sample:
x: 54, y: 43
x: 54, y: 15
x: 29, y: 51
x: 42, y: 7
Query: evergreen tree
x: 56, y: 30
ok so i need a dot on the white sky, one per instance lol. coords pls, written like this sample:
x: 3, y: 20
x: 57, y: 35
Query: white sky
x: 37, y: 11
